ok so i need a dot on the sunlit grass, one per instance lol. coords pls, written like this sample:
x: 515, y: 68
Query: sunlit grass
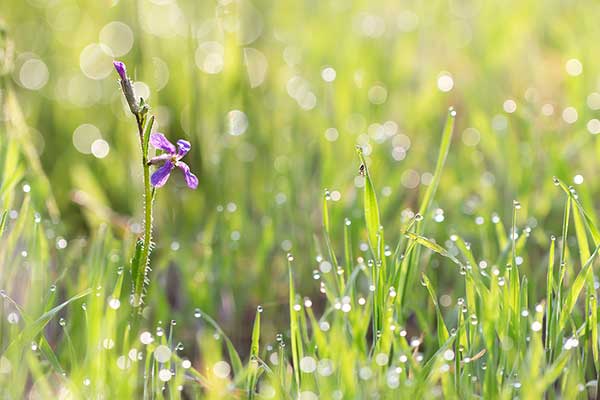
x: 348, y: 238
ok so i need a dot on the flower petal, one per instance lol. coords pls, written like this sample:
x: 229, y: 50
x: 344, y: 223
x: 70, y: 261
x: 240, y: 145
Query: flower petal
x: 184, y: 146
x: 161, y: 175
x: 159, y: 141
x: 190, y: 178
x: 159, y: 159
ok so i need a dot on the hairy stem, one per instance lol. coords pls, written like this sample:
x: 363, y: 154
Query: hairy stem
x: 148, y: 197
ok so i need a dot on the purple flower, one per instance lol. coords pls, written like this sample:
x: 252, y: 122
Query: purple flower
x: 170, y: 159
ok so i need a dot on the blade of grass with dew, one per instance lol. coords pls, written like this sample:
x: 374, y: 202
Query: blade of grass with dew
x: 370, y: 207
x: 561, y: 273
x: 234, y: 357
x: 33, y: 329
x: 294, y: 329
x: 136, y: 261
x: 441, y: 161
x: 584, y: 254
x: 254, y: 355
x: 550, y: 295
x: 428, y: 197
x: 375, y: 236
x: 442, y: 330
x: 43, y: 344
x: 583, y: 222
x: 573, y: 293
x: 423, y: 241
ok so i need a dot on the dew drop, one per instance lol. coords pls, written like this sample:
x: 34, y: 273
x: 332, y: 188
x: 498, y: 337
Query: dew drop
x: 164, y: 375
x: 146, y: 337
x: 222, y: 369
x: 114, y: 303
x: 13, y: 318
x: 162, y: 353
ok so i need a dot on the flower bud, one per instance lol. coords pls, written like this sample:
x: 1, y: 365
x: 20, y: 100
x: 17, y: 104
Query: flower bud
x: 126, y: 86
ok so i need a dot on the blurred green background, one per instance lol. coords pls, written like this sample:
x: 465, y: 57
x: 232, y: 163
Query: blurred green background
x: 274, y: 96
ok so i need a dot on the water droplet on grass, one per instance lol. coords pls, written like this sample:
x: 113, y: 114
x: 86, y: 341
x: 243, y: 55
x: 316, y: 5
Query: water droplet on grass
x: 133, y: 354
x: 162, y: 353
x: 448, y: 355
x: 114, y: 303
x: 164, y: 375
x: 222, y: 369
x: 13, y: 318
x: 381, y: 359
x: 146, y: 337
x: 123, y: 362
x: 308, y: 365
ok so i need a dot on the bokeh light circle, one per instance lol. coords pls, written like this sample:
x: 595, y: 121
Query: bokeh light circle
x: 33, y: 74
x: 95, y: 61
x: 118, y: 37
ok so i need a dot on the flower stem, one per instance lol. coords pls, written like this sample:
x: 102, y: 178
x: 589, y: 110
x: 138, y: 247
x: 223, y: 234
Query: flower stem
x: 144, y: 266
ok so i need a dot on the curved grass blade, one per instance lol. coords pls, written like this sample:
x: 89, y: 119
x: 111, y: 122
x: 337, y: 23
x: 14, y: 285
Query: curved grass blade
x: 236, y: 362
x: 442, y: 330
x: 441, y: 160
x: 571, y: 297
x: 33, y: 329
x: 254, y: 349
x: 371, y: 208
x: 295, y: 336
x: 423, y: 241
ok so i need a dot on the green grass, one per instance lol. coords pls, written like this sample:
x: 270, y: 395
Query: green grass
x: 453, y: 254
